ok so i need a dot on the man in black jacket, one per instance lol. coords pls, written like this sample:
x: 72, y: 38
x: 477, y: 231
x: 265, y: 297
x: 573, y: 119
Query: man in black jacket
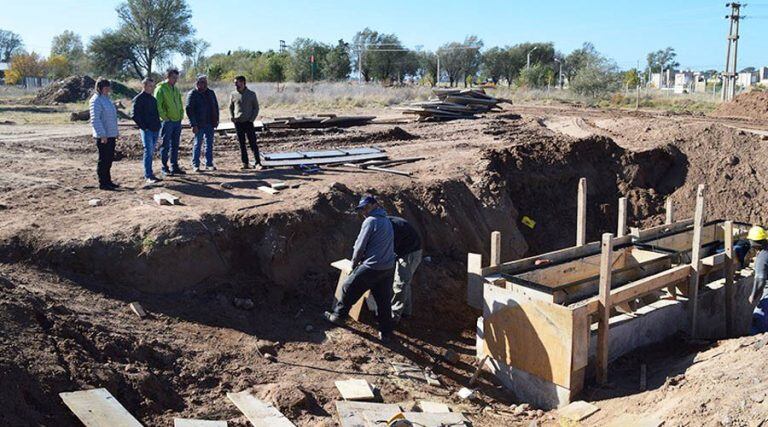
x: 203, y: 114
x: 144, y: 113
x: 408, y: 254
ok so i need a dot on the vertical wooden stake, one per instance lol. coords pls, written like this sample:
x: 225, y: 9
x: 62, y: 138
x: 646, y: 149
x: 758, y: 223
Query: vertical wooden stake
x: 474, y: 280
x: 604, y: 310
x: 729, y: 272
x: 581, y: 213
x: 622, y: 217
x: 693, y: 288
x: 495, y: 249
x: 670, y: 212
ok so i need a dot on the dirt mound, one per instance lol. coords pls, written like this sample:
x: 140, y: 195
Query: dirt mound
x: 71, y: 89
x: 750, y: 105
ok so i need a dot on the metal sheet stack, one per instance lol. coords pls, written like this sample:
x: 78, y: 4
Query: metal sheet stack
x: 452, y: 104
x: 319, y: 121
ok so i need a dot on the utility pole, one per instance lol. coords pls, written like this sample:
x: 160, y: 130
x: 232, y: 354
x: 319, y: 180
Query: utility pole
x: 528, y: 61
x: 282, y: 46
x: 437, y: 75
x: 731, y: 53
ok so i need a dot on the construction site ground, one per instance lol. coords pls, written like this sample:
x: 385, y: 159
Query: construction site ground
x: 68, y: 269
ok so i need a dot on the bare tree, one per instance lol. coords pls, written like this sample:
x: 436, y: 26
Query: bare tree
x: 157, y: 29
x: 10, y: 44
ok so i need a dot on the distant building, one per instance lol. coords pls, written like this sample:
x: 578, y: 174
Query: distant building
x: 4, y: 66
x: 746, y: 80
x: 762, y: 76
x: 684, y: 82
x: 659, y: 81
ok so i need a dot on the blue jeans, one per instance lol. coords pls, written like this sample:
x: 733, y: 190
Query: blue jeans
x: 170, y: 132
x: 149, y: 139
x: 207, y: 133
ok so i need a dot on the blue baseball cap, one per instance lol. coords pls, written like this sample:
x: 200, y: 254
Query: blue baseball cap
x: 365, y: 201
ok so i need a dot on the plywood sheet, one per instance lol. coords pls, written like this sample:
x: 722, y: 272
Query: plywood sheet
x: 355, y: 389
x: 98, y: 408
x: 351, y: 413
x: 258, y: 412
x: 577, y: 411
x: 533, y: 336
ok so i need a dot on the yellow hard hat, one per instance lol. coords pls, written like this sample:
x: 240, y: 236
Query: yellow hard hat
x: 757, y: 233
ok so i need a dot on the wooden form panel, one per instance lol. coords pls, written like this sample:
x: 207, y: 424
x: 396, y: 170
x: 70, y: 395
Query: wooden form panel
x: 534, y: 336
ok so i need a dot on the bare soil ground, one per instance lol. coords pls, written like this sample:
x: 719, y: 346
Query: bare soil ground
x: 68, y: 270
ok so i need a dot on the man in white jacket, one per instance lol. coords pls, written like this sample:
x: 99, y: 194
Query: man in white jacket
x: 104, y: 125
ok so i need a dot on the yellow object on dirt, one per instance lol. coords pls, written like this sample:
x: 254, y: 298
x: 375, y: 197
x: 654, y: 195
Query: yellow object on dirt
x: 757, y: 233
x: 398, y: 420
x: 528, y: 221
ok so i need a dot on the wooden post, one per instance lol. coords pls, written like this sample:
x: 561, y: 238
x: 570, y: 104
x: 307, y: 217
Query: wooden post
x: 581, y: 213
x: 622, y: 217
x: 670, y: 212
x: 693, y: 288
x: 729, y: 272
x: 604, y: 311
x: 495, y: 249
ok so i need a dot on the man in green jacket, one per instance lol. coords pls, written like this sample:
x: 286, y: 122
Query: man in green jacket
x: 171, y: 109
x: 243, y: 109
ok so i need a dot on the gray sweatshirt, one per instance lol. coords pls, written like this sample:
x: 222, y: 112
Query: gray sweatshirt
x: 103, y: 117
x: 375, y: 245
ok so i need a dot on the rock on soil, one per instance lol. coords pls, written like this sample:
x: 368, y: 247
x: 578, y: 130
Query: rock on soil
x: 71, y: 89
x: 750, y: 105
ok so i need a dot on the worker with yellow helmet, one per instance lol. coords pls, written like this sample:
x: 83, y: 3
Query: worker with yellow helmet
x: 758, y: 240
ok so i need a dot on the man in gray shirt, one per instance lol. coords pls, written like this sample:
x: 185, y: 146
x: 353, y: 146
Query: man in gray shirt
x: 373, y: 263
x: 757, y: 240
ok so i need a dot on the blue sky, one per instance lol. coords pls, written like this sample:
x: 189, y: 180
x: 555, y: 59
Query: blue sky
x: 623, y: 30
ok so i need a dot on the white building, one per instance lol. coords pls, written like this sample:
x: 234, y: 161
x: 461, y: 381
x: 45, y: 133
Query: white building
x: 4, y: 66
x: 762, y: 76
x: 666, y: 81
x: 684, y: 82
x: 746, y: 80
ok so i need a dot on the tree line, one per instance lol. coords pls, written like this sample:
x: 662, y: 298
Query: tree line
x: 152, y: 34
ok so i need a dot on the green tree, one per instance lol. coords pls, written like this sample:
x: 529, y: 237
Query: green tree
x: 631, y: 78
x: 157, y: 29
x: 26, y: 65
x: 427, y: 66
x: 380, y: 56
x: 494, y: 63
x: 580, y: 59
x: 69, y: 45
x: 470, y: 58
x: 58, y: 66
x: 337, y: 65
x: 596, y: 76
x: 10, y: 44
x: 112, y: 54
x: 303, y: 51
x: 663, y: 59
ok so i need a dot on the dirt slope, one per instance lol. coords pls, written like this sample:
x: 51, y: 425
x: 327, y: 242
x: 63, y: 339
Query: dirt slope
x: 750, y: 105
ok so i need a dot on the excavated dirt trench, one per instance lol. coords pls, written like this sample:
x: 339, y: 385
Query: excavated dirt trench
x: 189, y: 271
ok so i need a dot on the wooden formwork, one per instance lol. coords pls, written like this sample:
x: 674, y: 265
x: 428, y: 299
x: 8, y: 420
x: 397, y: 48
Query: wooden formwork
x: 538, y: 312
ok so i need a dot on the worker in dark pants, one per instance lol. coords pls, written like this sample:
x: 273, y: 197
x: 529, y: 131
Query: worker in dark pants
x: 373, y: 262
x: 758, y: 240
x: 103, y: 117
x: 243, y: 110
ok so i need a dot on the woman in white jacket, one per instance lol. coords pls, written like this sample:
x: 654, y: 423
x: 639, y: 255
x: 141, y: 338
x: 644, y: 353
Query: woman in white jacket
x: 104, y: 124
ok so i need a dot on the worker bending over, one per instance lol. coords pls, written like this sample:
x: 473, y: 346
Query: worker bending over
x: 757, y: 240
x: 373, y: 263
x: 408, y: 253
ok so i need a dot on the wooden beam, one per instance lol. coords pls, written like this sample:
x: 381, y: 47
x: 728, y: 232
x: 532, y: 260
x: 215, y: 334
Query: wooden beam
x: 604, y: 310
x: 693, y: 288
x: 581, y: 213
x: 670, y: 217
x: 475, y: 280
x: 622, y: 217
x: 495, y: 249
x: 98, y: 408
x: 648, y: 284
x: 729, y: 271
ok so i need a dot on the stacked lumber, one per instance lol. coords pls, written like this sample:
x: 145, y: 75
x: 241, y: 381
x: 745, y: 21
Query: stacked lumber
x: 318, y: 121
x: 450, y: 104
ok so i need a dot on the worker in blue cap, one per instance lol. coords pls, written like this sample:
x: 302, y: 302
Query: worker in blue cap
x: 373, y: 263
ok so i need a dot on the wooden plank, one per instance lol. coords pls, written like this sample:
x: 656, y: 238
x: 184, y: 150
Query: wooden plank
x: 693, y: 289
x: 577, y: 411
x: 622, y: 226
x: 495, y: 249
x: 648, y: 284
x: 729, y: 271
x: 355, y: 389
x: 345, y: 267
x: 98, y: 408
x: 433, y: 407
x: 189, y: 422
x: 278, y: 185
x: 166, y: 199
x: 138, y: 309
x: 258, y: 412
x: 531, y: 335
x: 475, y: 280
x: 351, y: 413
x: 268, y: 190
x: 653, y: 232
x: 606, y: 260
x: 433, y: 419
x: 670, y: 213
x: 581, y: 213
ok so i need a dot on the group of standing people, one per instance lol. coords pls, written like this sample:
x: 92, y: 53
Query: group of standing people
x: 158, y: 111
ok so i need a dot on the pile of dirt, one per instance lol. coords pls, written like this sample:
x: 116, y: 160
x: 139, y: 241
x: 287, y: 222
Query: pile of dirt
x: 71, y: 89
x: 750, y: 105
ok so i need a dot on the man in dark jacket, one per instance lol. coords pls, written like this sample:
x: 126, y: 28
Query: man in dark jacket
x: 408, y: 253
x: 243, y: 110
x: 203, y: 114
x: 373, y: 263
x: 145, y: 114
